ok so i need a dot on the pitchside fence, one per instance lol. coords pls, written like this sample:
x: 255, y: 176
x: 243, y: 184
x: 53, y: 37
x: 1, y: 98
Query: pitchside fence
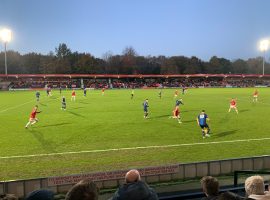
x: 112, y: 179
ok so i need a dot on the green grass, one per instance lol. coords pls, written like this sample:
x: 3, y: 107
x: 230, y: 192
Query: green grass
x: 115, y: 121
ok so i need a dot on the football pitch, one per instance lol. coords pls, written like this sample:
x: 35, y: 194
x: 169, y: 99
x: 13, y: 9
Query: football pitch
x: 102, y: 133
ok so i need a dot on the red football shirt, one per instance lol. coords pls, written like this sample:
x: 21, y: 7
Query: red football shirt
x: 233, y: 102
x: 33, y: 113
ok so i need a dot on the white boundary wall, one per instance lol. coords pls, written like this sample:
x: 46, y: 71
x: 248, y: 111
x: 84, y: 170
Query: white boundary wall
x: 113, y: 179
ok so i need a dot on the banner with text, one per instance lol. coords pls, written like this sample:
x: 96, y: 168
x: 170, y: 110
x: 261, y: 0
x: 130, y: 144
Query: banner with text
x: 113, y: 175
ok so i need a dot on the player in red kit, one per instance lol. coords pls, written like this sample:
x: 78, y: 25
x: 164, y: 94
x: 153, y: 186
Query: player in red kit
x: 73, y: 95
x: 33, y: 119
x: 255, y: 96
x: 176, y: 114
x: 233, y: 105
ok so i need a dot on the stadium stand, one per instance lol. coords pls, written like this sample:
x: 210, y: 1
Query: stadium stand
x: 4, y: 85
x: 131, y: 81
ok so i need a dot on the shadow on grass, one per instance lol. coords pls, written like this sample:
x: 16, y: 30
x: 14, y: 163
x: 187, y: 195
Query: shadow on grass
x: 53, y: 97
x: 245, y: 110
x: 224, y: 133
x: 161, y: 116
x: 77, y: 108
x: 46, y: 144
x: 51, y: 125
x: 42, y: 104
x: 76, y: 114
x: 82, y: 102
x: 190, y: 111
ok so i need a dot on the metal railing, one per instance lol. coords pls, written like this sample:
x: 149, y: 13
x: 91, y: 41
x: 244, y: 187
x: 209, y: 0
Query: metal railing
x: 198, y: 195
x: 246, y: 172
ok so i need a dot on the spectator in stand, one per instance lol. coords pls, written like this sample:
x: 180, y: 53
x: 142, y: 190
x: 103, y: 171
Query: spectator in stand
x: 134, y: 188
x: 255, y: 188
x: 84, y: 190
x: 8, y: 197
x: 210, y: 187
x: 40, y: 195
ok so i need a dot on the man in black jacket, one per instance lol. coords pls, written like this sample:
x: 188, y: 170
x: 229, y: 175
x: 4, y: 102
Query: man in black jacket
x: 134, y: 188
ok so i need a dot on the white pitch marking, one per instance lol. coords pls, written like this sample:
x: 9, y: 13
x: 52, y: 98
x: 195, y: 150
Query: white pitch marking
x: 10, y: 108
x: 132, y: 148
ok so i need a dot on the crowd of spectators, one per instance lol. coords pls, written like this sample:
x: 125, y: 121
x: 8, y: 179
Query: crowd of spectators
x: 136, y: 189
x: 43, y: 82
x: 17, y: 83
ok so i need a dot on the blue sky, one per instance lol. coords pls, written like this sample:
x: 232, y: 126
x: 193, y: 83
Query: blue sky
x: 202, y: 28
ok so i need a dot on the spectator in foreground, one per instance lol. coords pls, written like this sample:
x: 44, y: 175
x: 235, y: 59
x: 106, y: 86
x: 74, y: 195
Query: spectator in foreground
x: 84, y: 190
x: 210, y: 187
x: 255, y: 189
x: 8, y: 197
x: 229, y: 196
x: 134, y: 188
x: 40, y: 195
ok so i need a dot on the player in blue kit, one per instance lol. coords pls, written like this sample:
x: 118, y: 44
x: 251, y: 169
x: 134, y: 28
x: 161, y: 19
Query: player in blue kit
x: 49, y: 91
x: 84, y: 92
x: 202, y: 122
x: 145, y: 108
x: 37, y: 95
x: 132, y: 94
x: 64, y: 104
x: 160, y: 93
x: 184, y: 90
x: 178, y: 102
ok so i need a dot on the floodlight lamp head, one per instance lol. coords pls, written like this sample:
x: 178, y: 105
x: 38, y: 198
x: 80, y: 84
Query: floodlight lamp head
x: 264, y: 45
x: 5, y: 35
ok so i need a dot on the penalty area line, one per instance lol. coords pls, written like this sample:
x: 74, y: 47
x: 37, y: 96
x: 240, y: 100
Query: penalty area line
x: 131, y: 148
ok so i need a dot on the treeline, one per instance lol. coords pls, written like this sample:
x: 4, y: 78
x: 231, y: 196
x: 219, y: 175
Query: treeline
x: 64, y: 61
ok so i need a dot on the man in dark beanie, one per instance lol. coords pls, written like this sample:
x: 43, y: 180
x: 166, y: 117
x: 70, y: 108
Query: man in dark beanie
x: 40, y: 195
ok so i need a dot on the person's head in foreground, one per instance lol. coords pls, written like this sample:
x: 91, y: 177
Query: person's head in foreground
x: 210, y: 186
x: 83, y: 190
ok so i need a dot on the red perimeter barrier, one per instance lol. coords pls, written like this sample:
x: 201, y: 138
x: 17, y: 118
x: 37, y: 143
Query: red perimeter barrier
x: 131, y: 76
